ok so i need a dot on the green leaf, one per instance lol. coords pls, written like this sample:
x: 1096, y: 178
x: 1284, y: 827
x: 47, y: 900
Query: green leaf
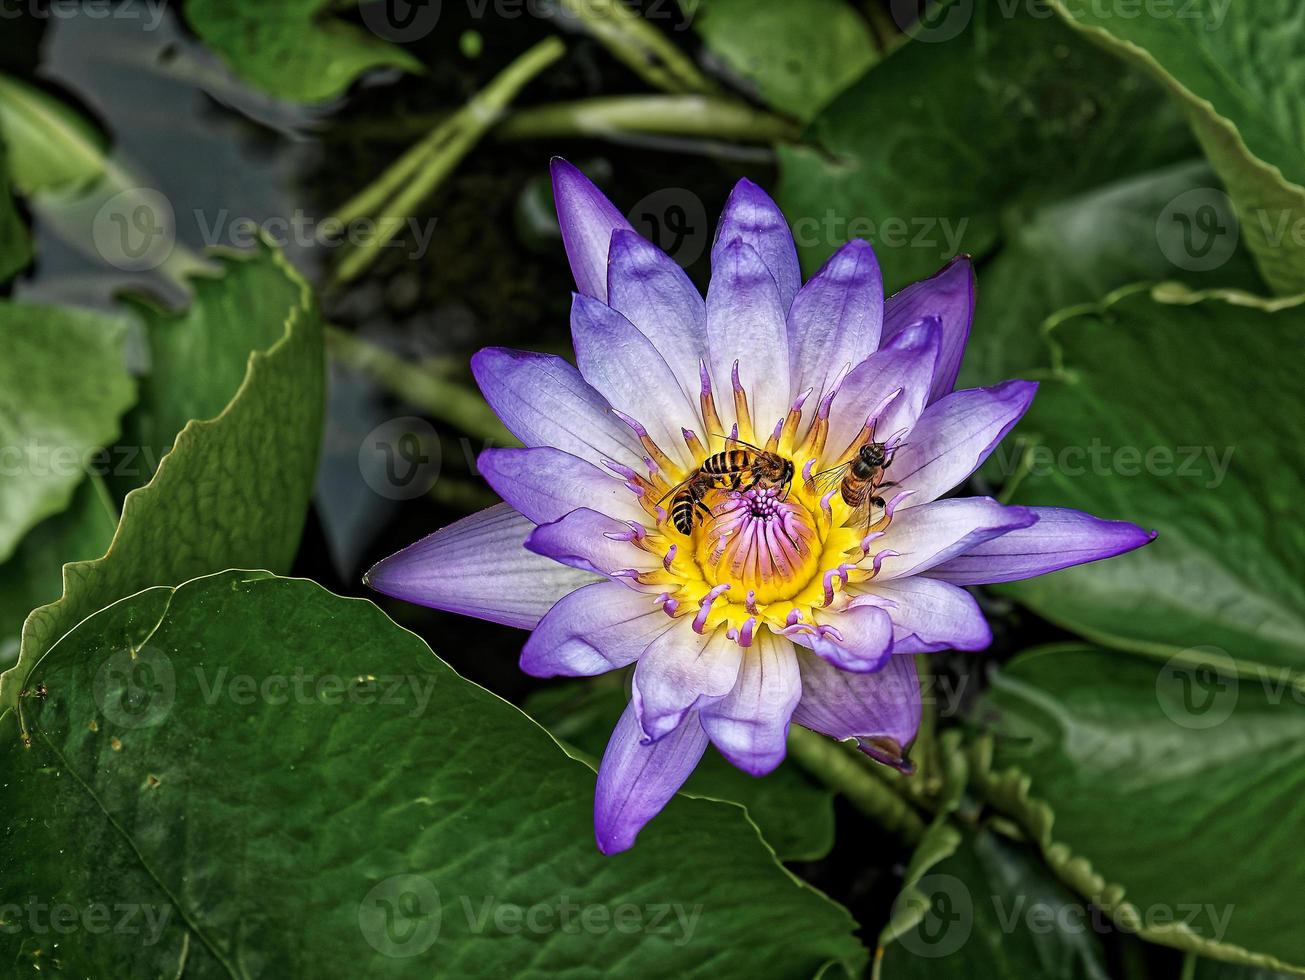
x: 1237, y: 69
x: 63, y: 385
x: 1182, y: 412
x: 976, y: 904
x: 1164, y: 794
x: 944, y: 145
x: 798, y: 54
x: 241, y: 309
x: 795, y: 815
x: 31, y: 577
x: 51, y: 147
x: 293, y: 49
x: 1077, y: 250
x: 1214, y: 970
x: 15, y: 249
x: 233, y: 491
x: 289, y: 782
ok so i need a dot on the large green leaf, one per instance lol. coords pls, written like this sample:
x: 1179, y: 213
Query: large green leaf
x: 295, y: 786
x: 977, y: 904
x: 1182, y: 412
x: 944, y: 146
x: 51, y: 147
x: 795, y: 815
x: 63, y: 385
x: 1079, y: 249
x: 234, y: 489
x: 1238, y: 69
x: 798, y: 54
x: 1165, y: 794
x: 33, y: 574
x: 293, y: 49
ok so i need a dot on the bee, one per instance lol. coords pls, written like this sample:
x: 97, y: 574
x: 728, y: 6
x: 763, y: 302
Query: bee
x: 730, y: 469
x: 861, y: 479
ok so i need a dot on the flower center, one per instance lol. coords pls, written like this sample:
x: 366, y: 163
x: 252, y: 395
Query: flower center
x: 760, y: 543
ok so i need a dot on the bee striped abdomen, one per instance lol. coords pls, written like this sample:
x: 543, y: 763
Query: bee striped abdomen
x: 727, y: 462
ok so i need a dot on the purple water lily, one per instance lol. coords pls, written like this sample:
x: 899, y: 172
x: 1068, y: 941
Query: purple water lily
x: 747, y: 597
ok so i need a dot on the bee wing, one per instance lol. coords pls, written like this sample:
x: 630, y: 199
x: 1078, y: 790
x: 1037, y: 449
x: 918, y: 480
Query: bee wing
x: 826, y: 480
x: 677, y: 488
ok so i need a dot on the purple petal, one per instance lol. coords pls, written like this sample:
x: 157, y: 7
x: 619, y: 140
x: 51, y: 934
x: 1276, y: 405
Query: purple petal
x: 954, y: 436
x: 544, y: 402
x: 933, y: 533
x: 478, y: 567
x: 939, y: 615
x: 745, y: 324
x: 836, y: 318
x: 587, y: 219
x: 863, y: 642
x: 948, y: 295
x: 750, y: 724
x: 677, y: 669
x: 751, y: 216
x: 624, y: 367
x: 595, y: 629
x: 547, y: 484
x: 590, y: 541
x: 906, y: 362
x: 657, y: 296
x: 881, y: 711
x: 1060, y: 538
x: 635, y: 780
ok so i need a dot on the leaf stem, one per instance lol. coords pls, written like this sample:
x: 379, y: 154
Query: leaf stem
x: 639, y: 45
x: 836, y: 766
x: 673, y: 115
x: 416, y: 175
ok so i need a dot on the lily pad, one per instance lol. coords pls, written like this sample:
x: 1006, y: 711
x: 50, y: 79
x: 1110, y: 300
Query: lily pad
x: 63, y: 386
x: 1164, y: 795
x: 1238, y: 70
x: 243, y: 752
x: 1182, y: 412
x: 233, y: 491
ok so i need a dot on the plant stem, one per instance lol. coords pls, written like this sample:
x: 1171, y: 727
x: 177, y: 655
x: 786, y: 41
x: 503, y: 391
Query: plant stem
x: 430, y: 390
x: 403, y: 187
x: 835, y: 766
x: 673, y: 115
x: 639, y: 45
